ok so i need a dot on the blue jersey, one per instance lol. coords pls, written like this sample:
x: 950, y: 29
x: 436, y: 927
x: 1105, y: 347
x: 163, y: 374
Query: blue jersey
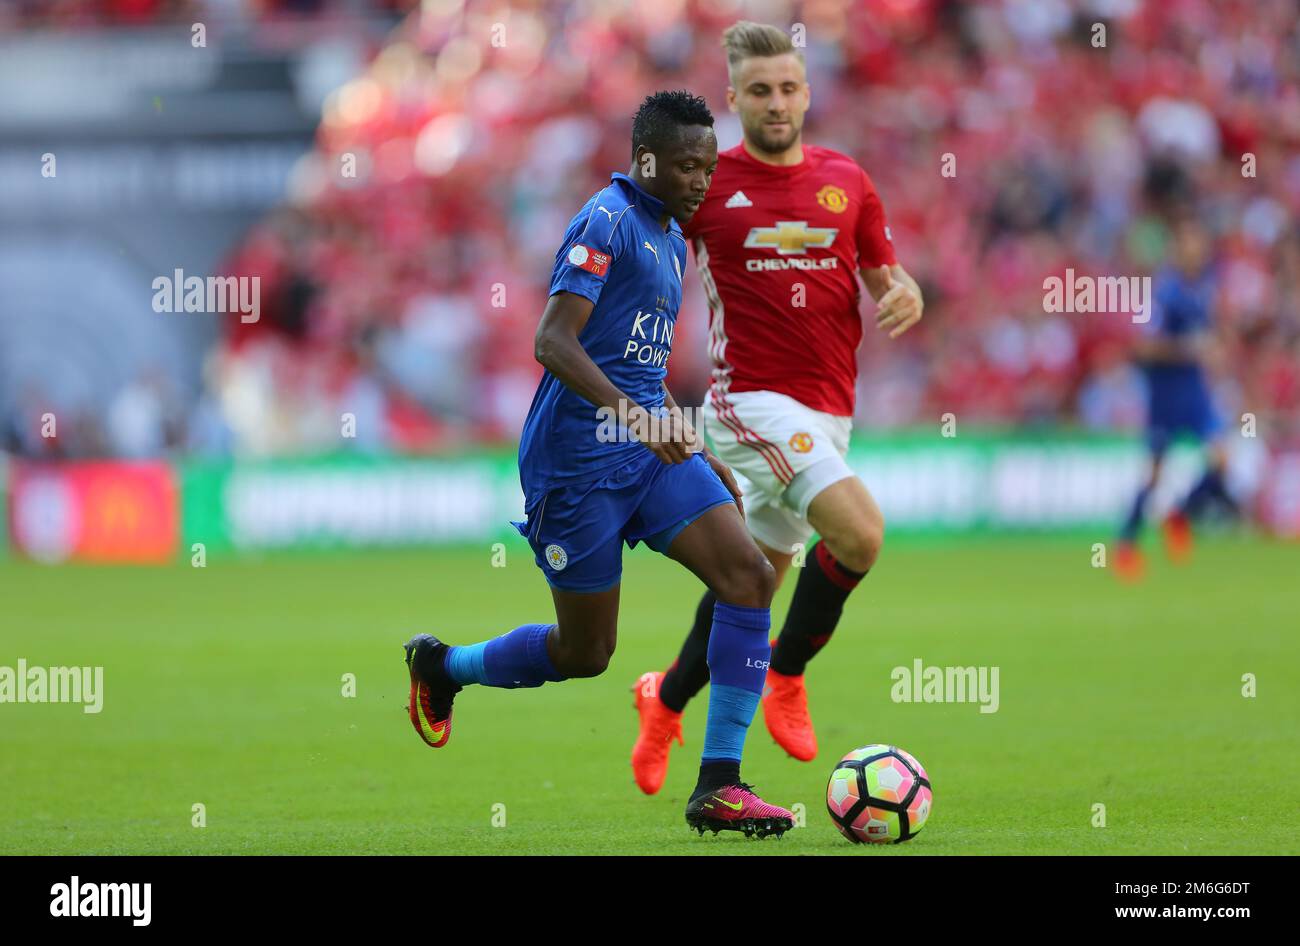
x: 615, y: 253
x: 1178, y: 394
x: 1181, y: 310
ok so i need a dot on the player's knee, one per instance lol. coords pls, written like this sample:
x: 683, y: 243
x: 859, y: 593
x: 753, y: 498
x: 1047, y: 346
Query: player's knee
x: 749, y: 581
x: 857, y: 549
x: 590, y: 660
x: 764, y: 580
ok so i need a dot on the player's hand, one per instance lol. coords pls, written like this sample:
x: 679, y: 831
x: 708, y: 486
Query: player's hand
x: 669, y: 437
x: 728, y: 480
x: 899, y: 308
x: 691, y: 439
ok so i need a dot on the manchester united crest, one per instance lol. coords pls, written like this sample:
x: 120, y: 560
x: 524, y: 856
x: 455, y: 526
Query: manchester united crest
x: 833, y: 199
x: 801, y: 442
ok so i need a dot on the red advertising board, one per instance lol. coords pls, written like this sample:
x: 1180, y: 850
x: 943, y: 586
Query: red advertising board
x: 100, y: 511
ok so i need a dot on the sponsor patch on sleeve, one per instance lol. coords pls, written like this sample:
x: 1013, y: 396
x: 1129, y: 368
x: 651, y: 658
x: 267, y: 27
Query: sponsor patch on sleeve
x: 593, y: 261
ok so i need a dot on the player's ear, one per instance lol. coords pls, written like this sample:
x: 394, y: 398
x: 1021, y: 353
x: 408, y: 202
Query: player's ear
x: 731, y: 98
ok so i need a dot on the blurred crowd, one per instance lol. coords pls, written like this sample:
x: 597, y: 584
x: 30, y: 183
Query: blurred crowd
x: 81, y: 14
x: 1007, y: 141
x: 1010, y: 141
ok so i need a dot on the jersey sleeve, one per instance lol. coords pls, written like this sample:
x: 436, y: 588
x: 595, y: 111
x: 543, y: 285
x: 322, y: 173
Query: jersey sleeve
x: 583, y: 264
x: 875, y: 244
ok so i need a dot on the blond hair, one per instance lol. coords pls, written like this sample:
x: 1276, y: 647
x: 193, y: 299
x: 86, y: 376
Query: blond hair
x: 746, y: 39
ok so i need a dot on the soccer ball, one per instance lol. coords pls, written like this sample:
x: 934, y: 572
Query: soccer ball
x: 879, y: 795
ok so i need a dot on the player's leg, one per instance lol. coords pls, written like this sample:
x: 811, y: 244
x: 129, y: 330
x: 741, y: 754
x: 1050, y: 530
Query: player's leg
x: 585, y: 633
x: 661, y: 696
x: 1194, y: 413
x: 690, y: 671
x: 520, y: 658
x: 438, y: 671
x: 688, y: 515
x: 578, y: 644
x: 1212, y: 487
x: 576, y: 538
x: 1129, y: 564
x: 717, y: 548
x: 1131, y: 530
x: 851, y: 530
x: 802, y: 481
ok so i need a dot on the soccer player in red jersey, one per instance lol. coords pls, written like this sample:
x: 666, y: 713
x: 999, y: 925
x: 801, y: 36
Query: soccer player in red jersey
x: 779, y: 241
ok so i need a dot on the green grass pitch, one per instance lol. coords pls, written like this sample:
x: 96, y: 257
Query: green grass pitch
x: 223, y: 686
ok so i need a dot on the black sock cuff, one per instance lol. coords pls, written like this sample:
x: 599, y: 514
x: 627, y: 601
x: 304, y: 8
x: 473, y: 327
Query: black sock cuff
x: 834, y: 569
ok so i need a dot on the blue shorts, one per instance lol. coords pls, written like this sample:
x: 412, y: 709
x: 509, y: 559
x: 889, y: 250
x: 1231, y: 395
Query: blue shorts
x: 577, y: 531
x: 1180, y: 408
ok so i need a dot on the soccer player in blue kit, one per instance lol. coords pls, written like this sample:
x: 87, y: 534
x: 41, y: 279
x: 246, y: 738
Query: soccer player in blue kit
x: 604, y: 340
x: 1172, y: 354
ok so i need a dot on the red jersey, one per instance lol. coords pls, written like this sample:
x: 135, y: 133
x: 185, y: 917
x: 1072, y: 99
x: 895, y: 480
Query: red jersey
x: 778, y: 250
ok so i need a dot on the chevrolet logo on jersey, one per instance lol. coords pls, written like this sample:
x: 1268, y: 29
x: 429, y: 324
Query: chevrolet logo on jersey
x: 791, y: 237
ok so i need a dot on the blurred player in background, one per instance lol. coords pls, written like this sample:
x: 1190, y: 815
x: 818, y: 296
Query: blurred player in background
x: 604, y: 340
x: 778, y: 240
x: 1173, y: 350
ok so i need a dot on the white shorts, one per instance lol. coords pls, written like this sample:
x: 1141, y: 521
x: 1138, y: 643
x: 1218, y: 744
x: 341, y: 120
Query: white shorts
x: 783, y: 455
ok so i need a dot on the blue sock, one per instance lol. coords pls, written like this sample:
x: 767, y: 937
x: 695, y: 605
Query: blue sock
x: 738, y: 655
x: 1209, y: 489
x: 516, y: 659
x: 1133, y: 524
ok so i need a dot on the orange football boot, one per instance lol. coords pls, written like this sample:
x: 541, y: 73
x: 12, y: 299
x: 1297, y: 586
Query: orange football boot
x: 1129, y: 564
x: 659, y: 727
x: 1177, y: 531
x: 785, y: 708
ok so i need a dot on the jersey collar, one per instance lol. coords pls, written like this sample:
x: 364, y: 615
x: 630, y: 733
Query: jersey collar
x: 649, y: 203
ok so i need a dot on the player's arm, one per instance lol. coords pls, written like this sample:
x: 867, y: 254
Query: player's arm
x: 557, y: 349
x: 899, y: 304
